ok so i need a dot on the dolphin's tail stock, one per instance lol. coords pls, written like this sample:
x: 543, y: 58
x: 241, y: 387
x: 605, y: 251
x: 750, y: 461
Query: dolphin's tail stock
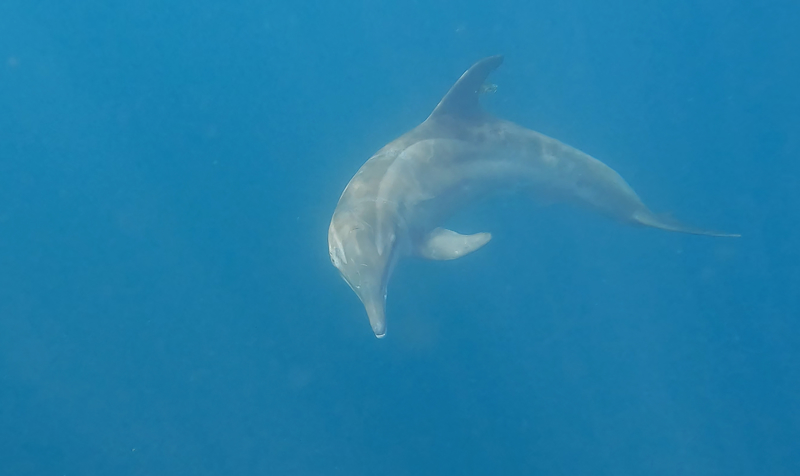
x: 664, y: 222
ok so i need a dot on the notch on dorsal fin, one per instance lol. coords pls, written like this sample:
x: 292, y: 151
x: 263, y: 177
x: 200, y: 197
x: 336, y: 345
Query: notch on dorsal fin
x: 462, y: 99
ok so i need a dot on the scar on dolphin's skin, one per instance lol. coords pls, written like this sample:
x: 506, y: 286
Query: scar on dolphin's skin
x: 395, y: 204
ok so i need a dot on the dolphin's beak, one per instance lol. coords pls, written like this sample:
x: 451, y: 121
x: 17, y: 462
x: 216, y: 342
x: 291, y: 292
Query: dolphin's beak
x: 376, y: 310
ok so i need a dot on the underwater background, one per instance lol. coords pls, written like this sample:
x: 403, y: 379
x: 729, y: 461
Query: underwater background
x: 168, y: 171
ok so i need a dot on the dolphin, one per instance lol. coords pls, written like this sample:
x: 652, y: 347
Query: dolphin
x: 394, y: 205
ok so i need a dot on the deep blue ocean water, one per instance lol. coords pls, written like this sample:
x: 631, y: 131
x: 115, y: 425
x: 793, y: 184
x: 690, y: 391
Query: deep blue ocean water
x: 167, y: 305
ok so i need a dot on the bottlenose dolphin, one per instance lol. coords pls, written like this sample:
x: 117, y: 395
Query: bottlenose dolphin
x: 394, y: 204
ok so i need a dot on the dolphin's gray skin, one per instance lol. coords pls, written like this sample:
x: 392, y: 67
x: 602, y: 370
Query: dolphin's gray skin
x: 394, y: 204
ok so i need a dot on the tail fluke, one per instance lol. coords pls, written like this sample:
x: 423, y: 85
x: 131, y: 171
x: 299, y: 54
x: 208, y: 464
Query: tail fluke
x: 667, y: 223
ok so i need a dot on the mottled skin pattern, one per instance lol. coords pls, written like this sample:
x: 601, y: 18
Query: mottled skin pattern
x: 458, y: 155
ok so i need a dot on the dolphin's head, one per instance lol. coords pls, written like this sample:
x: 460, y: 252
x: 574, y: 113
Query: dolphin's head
x: 364, y: 252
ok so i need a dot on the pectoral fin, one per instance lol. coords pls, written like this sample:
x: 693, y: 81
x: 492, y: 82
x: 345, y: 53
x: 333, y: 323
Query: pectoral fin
x: 443, y: 244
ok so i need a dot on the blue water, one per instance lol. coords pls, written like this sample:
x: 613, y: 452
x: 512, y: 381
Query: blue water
x: 167, y: 306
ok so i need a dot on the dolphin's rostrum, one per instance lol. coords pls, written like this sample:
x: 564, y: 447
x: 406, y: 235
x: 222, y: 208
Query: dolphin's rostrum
x: 395, y: 203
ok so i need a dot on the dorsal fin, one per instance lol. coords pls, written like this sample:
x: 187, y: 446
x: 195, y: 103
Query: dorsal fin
x: 462, y: 99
